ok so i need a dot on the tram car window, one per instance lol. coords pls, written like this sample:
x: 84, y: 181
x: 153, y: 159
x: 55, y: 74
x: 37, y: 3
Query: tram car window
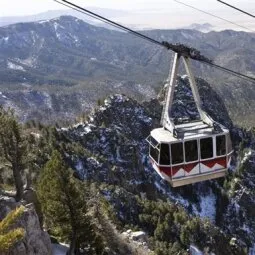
x: 177, y: 153
x: 164, y: 154
x: 220, y: 145
x: 191, y: 151
x: 206, y: 148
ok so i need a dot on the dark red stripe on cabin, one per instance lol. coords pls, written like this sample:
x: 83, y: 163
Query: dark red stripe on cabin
x: 189, y: 167
x: 165, y: 169
x: 171, y: 171
x: 175, y: 169
x: 211, y: 162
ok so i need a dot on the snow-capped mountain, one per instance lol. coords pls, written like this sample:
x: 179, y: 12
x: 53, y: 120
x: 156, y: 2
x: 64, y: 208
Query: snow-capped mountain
x: 65, y: 56
x: 205, y: 28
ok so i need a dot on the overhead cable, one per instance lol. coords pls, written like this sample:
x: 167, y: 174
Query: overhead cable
x: 115, y: 24
x: 213, y: 15
x: 237, y: 74
x: 173, y: 47
x: 240, y: 10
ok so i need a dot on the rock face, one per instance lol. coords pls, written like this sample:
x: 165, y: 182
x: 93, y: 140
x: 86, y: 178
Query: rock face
x: 116, y: 155
x: 36, y: 241
x: 137, y: 238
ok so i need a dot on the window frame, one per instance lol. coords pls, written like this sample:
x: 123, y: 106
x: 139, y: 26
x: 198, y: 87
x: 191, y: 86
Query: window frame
x: 229, y: 144
x: 155, y: 148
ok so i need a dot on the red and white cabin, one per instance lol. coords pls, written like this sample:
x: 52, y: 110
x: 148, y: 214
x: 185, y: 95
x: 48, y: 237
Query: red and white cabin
x: 201, y: 154
x: 192, y: 151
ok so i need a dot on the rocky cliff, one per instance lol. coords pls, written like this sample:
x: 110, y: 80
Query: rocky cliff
x: 36, y: 241
x: 117, y: 158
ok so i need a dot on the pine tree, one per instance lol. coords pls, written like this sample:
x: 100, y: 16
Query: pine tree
x: 63, y: 200
x: 8, y: 236
x: 12, y: 148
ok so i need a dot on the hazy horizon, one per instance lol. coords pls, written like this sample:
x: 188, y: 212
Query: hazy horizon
x: 163, y: 14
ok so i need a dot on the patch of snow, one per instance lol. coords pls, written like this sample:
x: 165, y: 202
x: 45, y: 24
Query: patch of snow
x: 184, y: 77
x: 107, y: 102
x: 102, y: 108
x: 13, y: 66
x: 103, y: 138
x: 48, y: 99
x: 107, y: 195
x: 7, y: 199
x: 76, y: 39
x: 59, y: 249
x: 87, y: 130
x: 135, y: 182
x: 182, y: 201
x: 37, y: 135
x: 252, y: 250
x: 119, y: 98
x: 56, y: 27
x: 94, y: 161
x: 3, y: 96
x: 194, y: 250
x: 159, y: 187
x: 246, y: 156
x: 43, y: 21
x: 4, y: 39
x: 26, y: 85
x: 93, y: 59
x: 118, y: 154
x: 78, y: 124
x: 208, y: 206
x: 31, y: 61
x: 79, y: 166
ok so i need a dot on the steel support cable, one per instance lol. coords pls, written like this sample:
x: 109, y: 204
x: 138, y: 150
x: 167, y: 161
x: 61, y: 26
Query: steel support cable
x: 237, y: 74
x: 97, y: 16
x: 240, y: 10
x: 84, y: 12
x: 115, y: 24
x: 213, y: 15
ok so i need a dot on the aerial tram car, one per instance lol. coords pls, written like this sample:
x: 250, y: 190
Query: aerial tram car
x: 193, y: 151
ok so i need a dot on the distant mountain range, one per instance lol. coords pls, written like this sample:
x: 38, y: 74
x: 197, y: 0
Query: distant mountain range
x: 205, y: 28
x: 109, y: 13
x: 63, y: 65
x: 4, y: 21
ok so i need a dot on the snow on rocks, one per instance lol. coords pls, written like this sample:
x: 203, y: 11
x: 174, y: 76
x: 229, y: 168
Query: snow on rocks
x: 2, y: 95
x: 138, y: 237
x: 59, y: 249
x: 14, y: 66
x: 246, y: 156
x: 208, y: 206
x: 194, y: 250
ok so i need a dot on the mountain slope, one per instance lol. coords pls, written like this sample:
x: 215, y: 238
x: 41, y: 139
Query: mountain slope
x: 68, y: 56
x: 117, y: 159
